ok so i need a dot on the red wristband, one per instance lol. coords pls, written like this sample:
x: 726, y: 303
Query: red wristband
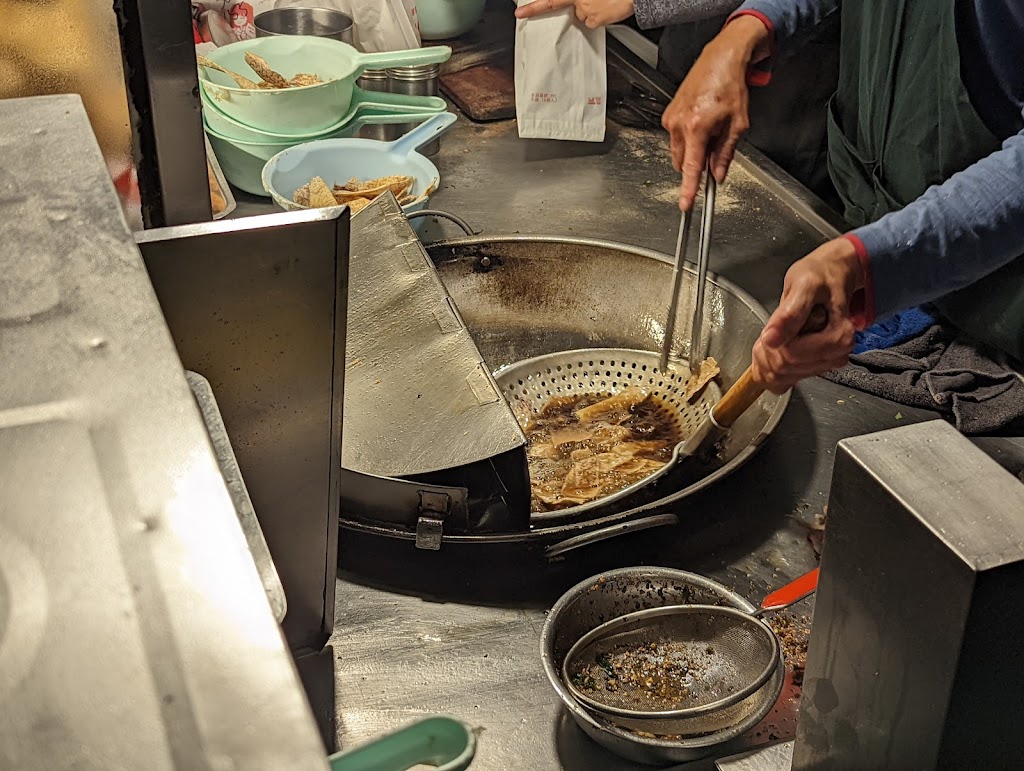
x: 862, y: 304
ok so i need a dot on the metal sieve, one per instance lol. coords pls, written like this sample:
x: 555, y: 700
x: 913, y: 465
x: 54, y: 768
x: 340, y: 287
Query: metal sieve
x: 675, y: 662
x: 528, y: 385
x: 679, y: 669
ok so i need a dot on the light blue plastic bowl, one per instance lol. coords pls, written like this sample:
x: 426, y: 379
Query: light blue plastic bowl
x: 338, y: 160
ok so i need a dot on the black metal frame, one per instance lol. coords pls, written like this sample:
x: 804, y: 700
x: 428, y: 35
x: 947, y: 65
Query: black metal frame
x: 163, y: 100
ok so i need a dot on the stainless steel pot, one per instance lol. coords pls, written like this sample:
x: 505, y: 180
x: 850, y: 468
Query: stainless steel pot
x: 616, y: 593
x: 315, y: 22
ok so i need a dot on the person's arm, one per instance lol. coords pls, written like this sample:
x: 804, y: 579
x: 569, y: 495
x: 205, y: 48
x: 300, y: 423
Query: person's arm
x: 593, y: 13
x: 651, y: 14
x: 708, y: 116
x: 953, y: 235
x: 785, y: 18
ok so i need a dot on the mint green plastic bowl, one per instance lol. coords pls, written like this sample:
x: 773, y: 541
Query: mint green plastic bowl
x: 308, y: 109
x: 443, y: 19
x: 366, y: 108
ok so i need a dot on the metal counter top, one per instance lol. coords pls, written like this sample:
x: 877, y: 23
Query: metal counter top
x: 134, y: 630
x: 412, y: 639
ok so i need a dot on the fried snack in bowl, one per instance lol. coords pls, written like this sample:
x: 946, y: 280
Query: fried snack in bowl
x: 358, y: 194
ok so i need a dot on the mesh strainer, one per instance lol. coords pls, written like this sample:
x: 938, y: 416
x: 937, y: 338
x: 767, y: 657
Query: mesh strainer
x: 680, y: 669
x: 528, y: 385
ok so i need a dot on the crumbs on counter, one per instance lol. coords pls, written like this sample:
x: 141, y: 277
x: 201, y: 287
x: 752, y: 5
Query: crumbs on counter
x: 794, y: 633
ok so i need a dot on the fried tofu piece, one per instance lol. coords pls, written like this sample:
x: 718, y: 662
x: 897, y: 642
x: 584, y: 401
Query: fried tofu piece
x: 320, y: 194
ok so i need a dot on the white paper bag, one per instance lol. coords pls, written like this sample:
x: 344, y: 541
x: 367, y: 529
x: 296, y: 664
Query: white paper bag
x: 561, y: 78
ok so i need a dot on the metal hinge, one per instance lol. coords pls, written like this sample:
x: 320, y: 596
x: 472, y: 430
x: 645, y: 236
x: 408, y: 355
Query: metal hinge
x: 434, y: 507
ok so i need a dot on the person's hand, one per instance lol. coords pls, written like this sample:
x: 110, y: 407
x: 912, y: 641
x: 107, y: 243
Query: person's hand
x: 593, y: 13
x: 709, y: 111
x: 830, y: 276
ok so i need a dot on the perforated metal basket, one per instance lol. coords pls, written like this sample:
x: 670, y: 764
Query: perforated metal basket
x: 530, y: 384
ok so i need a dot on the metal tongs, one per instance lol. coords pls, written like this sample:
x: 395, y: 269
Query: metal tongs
x: 745, y: 391
x: 697, y: 324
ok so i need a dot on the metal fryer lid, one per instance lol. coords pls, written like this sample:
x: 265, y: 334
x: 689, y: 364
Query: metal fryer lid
x: 418, y: 396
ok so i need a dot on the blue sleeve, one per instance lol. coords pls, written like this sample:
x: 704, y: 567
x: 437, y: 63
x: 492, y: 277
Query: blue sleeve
x: 953, y: 235
x: 788, y: 17
x: 651, y: 14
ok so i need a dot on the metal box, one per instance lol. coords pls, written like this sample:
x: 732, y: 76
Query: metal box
x: 918, y: 635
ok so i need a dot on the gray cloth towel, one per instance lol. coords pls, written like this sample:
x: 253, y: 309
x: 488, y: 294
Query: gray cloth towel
x: 944, y: 370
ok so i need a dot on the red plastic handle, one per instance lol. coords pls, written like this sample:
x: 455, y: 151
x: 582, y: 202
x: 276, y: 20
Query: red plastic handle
x: 792, y: 592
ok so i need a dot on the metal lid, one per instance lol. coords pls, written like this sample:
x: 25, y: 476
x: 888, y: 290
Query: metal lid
x: 415, y: 72
x: 374, y: 75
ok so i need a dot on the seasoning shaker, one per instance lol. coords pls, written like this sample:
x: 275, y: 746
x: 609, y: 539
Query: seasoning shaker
x: 376, y: 80
x: 417, y: 80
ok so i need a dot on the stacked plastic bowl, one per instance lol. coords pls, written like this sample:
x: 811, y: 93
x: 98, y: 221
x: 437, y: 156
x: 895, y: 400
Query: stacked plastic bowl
x: 247, y: 127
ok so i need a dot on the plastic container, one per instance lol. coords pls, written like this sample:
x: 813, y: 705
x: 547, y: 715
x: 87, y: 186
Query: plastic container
x: 338, y: 160
x: 307, y: 109
x: 242, y: 161
x: 441, y: 19
x: 442, y: 743
x: 366, y: 108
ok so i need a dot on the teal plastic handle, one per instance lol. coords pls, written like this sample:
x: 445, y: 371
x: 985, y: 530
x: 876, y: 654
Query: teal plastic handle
x: 408, y: 58
x: 365, y: 101
x: 443, y: 742
x: 378, y: 119
x: 423, y: 134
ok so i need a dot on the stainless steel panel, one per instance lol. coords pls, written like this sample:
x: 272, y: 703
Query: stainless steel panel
x: 257, y: 307
x: 914, y: 659
x: 134, y: 630
x: 239, y: 494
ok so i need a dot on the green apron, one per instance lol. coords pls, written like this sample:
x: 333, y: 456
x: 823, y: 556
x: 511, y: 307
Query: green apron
x: 901, y: 121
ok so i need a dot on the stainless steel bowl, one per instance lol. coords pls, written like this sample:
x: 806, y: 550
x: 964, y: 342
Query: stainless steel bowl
x: 316, y: 22
x: 615, y: 593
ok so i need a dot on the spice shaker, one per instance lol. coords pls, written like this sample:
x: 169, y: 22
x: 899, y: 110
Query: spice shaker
x: 376, y: 80
x: 417, y: 80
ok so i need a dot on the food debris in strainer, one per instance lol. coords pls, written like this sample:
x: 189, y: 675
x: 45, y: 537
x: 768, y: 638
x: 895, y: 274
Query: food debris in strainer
x: 586, y: 446
x: 658, y: 674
